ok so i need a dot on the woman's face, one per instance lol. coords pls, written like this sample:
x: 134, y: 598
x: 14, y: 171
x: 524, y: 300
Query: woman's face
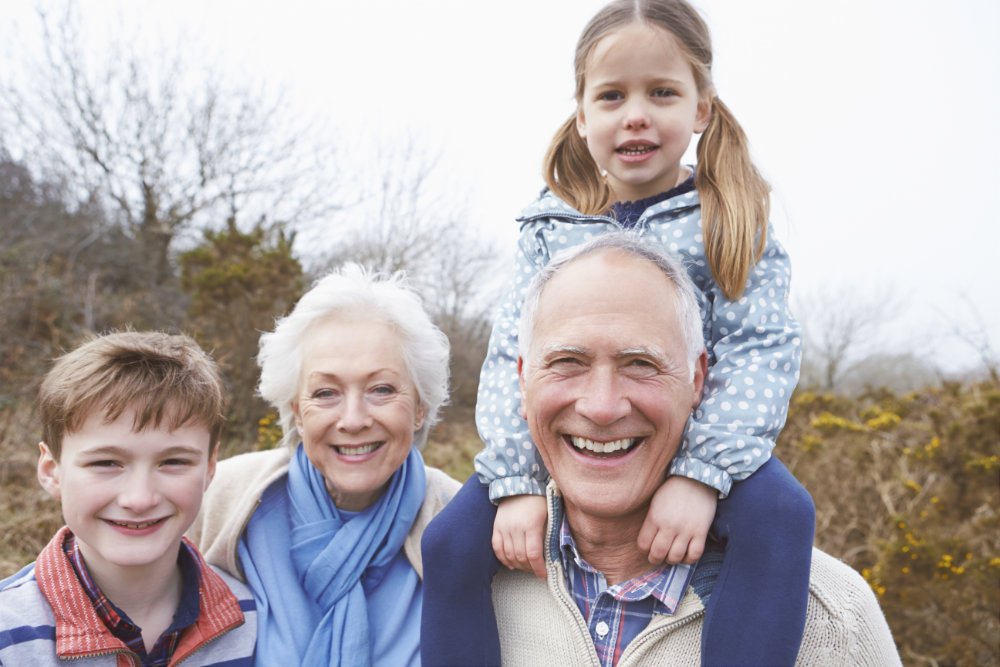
x: 357, y: 407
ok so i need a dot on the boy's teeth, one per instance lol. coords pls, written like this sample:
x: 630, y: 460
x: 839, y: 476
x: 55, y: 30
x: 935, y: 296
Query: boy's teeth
x: 144, y: 524
x: 364, y: 449
x: 602, y: 447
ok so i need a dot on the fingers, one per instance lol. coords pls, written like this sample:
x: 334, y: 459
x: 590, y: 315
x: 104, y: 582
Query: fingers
x: 534, y: 554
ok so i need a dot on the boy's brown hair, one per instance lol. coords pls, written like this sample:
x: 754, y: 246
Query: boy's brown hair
x: 166, y: 378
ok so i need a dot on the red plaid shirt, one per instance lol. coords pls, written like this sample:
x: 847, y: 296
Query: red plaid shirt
x: 118, y: 622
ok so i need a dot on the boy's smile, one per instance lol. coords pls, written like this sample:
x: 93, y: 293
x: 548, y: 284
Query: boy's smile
x: 129, y: 496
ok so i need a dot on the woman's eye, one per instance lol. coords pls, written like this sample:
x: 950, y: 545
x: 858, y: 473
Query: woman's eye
x: 324, y: 393
x: 384, y: 390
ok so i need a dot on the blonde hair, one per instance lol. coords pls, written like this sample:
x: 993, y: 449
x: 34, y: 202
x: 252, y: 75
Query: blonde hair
x: 167, y: 379
x: 735, y: 198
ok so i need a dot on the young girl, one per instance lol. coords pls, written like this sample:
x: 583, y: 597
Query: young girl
x: 643, y: 89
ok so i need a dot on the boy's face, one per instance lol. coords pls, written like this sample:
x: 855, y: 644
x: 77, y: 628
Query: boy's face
x: 129, y: 496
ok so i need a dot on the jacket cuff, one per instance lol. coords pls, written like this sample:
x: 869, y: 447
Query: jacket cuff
x: 521, y: 485
x: 698, y: 470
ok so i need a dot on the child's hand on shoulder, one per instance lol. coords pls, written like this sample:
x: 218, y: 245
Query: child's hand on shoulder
x: 518, y: 533
x: 678, y: 520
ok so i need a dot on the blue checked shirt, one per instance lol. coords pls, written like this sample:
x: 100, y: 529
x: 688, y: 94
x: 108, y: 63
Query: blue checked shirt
x: 118, y: 621
x: 616, y: 614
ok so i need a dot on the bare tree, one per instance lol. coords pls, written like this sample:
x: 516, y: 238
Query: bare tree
x: 168, y: 145
x: 841, y: 324
x: 408, y: 220
x: 976, y: 335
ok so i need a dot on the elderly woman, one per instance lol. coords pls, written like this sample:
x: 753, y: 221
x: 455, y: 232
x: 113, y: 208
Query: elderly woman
x: 326, y: 529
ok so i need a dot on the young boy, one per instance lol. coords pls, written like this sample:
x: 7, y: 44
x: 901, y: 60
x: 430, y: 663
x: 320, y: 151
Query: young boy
x: 130, y: 426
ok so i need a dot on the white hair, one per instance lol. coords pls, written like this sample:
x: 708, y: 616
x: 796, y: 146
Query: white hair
x: 686, y: 301
x: 353, y: 290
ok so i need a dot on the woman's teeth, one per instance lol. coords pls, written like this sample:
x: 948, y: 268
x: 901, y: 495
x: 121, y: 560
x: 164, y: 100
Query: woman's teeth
x: 602, y: 447
x: 358, y: 451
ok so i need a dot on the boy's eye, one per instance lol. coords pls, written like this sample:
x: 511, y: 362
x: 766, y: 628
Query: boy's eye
x: 104, y: 463
x: 177, y: 462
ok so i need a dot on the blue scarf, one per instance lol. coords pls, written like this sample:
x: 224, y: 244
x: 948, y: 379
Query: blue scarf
x: 328, y: 555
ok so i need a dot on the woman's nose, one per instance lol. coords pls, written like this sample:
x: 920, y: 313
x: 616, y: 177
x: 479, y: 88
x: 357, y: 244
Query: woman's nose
x: 354, y: 415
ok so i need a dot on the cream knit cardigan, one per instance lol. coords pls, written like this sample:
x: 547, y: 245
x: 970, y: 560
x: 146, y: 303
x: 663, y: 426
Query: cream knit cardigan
x: 235, y: 492
x: 541, y: 625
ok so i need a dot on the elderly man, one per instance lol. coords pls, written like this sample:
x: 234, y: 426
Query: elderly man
x: 609, y: 375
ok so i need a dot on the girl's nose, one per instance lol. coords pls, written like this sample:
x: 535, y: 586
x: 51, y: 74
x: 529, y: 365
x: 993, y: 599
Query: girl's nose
x: 354, y: 415
x: 636, y: 117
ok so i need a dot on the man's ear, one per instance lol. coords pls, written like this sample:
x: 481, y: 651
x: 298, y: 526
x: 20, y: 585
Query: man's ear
x: 48, y: 471
x: 700, y: 370
x: 520, y: 383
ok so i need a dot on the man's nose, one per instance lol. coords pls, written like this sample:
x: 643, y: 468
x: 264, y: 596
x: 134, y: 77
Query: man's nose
x: 604, y: 401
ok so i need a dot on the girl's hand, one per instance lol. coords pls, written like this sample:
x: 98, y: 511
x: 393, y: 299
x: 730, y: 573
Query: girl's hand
x: 678, y: 520
x: 519, y: 532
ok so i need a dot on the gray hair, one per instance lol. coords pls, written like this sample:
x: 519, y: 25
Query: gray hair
x: 353, y: 290
x: 686, y: 301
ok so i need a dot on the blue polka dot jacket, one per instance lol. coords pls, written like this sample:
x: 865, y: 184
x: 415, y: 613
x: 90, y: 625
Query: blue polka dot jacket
x: 753, y: 344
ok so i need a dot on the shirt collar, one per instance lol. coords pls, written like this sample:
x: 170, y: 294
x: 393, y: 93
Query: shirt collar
x: 666, y: 584
x: 117, y: 620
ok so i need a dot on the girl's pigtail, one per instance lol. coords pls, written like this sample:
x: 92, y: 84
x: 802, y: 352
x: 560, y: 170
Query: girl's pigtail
x: 735, y: 201
x: 571, y: 173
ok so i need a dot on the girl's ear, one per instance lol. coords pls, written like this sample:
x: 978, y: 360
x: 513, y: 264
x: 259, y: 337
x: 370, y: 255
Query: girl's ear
x: 581, y: 124
x: 704, y: 114
x: 48, y: 471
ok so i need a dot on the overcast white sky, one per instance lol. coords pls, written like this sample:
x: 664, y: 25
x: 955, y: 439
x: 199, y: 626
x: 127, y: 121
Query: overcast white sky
x: 874, y: 120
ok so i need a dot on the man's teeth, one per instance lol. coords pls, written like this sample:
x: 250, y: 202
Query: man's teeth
x: 602, y: 447
x: 358, y: 451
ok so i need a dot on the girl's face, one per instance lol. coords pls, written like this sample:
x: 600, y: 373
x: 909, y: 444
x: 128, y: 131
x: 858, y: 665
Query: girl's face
x: 639, y: 110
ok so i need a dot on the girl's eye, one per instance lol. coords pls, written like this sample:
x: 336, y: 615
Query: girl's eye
x: 663, y: 92
x: 610, y: 96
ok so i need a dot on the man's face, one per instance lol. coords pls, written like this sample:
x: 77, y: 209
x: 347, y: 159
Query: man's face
x: 607, y: 386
